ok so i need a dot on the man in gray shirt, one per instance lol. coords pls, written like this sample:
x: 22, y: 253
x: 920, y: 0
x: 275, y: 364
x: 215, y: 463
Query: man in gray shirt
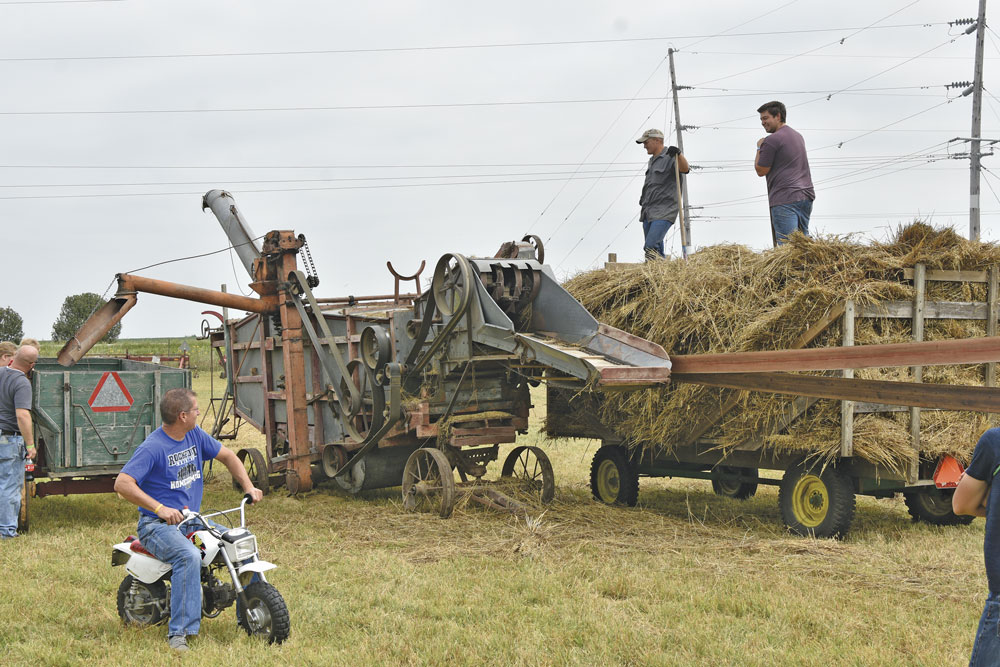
x: 781, y: 158
x: 15, y: 433
x: 659, y: 199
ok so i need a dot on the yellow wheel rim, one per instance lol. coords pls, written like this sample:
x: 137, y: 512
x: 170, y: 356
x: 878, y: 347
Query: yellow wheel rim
x: 608, y: 481
x: 810, y: 501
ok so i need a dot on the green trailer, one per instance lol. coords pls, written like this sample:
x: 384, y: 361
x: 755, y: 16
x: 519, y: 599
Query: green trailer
x: 89, y: 419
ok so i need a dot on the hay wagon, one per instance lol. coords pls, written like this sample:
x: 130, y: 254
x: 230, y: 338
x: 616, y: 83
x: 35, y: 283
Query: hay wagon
x: 88, y: 421
x: 817, y: 489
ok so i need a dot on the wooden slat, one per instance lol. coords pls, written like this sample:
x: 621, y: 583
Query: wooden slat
x: 807, y: 337
x: 847, y: 407
x: 991, y: 322
x: 929, y: 353
x: 917, y: 372
x: 949, y: 276
x: 933, y: 310
x: 942, y: 396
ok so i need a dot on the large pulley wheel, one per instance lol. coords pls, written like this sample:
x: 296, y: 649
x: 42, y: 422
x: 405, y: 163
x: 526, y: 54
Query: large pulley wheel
x: 734, y: 482
x: 530, y: 470
x: 428, y: 483
x: 934, y: 506
x: 375, y: 347
x: 452, y: 284
x: 334, y: 457
x: 817, y: 501
x: 613, y: 478
x: 256, y: 466
x: 371, y: 414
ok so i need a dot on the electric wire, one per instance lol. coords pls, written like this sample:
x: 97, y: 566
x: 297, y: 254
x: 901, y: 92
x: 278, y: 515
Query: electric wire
x: 407, y: 49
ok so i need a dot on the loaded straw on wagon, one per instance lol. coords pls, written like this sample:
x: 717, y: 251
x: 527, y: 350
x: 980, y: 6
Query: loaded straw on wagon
x: 923, y: 285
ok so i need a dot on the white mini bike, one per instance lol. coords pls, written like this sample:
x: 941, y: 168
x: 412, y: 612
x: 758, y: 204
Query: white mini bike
x: 230, y: 571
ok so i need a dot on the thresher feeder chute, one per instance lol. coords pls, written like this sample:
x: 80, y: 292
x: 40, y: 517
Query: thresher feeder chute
x: 402, y: 389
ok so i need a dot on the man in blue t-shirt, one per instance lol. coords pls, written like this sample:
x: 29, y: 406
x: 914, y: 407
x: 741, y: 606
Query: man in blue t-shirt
x: 162, y: 477
x: 977, y: 495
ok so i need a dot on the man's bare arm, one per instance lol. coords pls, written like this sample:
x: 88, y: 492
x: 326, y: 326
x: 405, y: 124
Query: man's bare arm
x: 970, y: 496
x: 24, y: 426
x: 761, y: 171
x: 128, y: 488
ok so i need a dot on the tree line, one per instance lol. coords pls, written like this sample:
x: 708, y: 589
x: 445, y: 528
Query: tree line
x: 74, y: 312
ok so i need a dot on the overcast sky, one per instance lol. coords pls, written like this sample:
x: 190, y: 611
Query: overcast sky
x: 403, y: 130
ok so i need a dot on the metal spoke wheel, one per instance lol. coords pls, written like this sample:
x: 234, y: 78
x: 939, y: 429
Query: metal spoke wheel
x: 256, y: 467
x: 371, y: 415
x: 530, y: 468
x: 428, y: 483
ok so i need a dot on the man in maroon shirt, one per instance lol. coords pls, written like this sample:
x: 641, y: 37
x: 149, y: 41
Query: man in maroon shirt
x: 781, y: 158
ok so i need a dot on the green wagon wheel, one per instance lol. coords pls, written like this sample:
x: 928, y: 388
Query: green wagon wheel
x: 256, y: 466
x: 816, y: 500
x: 731, y: 485
x: 613, y: 479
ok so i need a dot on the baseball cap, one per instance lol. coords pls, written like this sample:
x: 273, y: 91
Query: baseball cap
x: 649, y: 134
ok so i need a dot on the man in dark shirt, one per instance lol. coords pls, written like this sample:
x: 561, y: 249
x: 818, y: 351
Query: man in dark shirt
x: 659, y: 201
x: 781, y: 158
x: 15, y: 435
x: 978, y: 496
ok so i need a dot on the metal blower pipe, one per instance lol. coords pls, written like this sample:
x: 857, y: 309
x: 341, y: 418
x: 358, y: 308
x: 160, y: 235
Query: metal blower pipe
x: 129, y: 283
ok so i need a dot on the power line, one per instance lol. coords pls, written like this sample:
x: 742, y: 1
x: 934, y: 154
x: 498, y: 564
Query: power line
x: 406, y: 49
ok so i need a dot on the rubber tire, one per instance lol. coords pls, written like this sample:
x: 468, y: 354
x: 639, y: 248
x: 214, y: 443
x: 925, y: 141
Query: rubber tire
x: 732, y: 489
x: 266, y: 595
x: 839, y: 489
x: 23, y: 518
x: 156, y: 590
x: 934, y: 507
x: 613, y: 459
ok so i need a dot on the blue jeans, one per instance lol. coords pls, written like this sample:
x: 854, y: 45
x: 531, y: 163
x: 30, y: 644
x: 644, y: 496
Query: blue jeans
x: 786, y: 218
x: 171, y: 546
x: 11, y: 480
x: 653, y: 232
x: 986, y: 649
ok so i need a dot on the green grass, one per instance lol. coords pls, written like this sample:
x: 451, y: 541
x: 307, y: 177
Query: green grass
x: 684, y: 578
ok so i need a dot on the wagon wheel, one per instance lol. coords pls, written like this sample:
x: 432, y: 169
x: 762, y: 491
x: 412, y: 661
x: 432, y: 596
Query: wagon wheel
x: 428, y: 483
x: 613, y: 478
x: 934, y: 506
x: 731, y: 483
x: 816, y: 501
x: 256, y: 467
x: 530, y: 468
x: 27, y: 491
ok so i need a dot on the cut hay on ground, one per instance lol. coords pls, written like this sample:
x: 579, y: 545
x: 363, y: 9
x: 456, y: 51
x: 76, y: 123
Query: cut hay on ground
x: 730, y: 298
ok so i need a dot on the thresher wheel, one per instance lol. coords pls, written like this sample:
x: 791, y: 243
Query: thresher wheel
x: 730, y: 484
x: 256, y: 467
x: 452, y: 284
x: 934, y: 506
x: 613, y: 478
x: 531, y: 470
x: 428, y: 482
x: 816, y: 501
x: 27, y: 492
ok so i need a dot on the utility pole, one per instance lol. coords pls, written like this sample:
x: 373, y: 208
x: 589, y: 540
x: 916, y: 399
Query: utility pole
x: 977, y: 117
x: 680, y: 144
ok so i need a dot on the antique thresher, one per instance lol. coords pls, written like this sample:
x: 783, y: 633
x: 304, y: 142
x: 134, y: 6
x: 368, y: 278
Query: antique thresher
x: 397, y: 389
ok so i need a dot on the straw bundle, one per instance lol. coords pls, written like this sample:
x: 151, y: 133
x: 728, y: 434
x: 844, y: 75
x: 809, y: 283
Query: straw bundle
x: 729, y: 298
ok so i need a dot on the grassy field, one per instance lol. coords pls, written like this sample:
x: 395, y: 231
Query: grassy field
x: 684, y: 578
